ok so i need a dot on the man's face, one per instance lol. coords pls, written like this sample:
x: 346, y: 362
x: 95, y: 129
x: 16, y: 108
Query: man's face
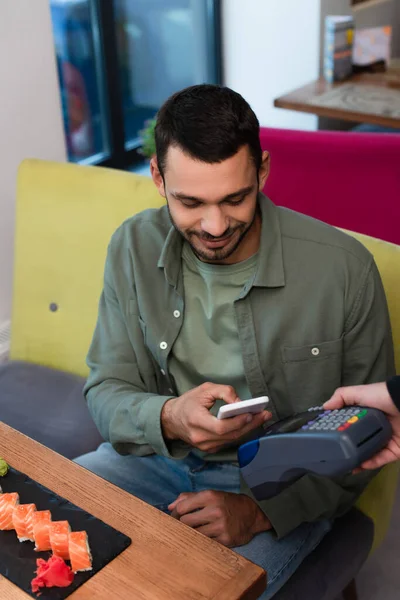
x: 213, y: 206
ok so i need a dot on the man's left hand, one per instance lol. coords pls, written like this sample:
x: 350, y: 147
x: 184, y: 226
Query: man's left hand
x: 230, y: 519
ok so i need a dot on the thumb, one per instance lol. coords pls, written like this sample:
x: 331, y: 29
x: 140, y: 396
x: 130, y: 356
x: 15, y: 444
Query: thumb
x: 336, y: 401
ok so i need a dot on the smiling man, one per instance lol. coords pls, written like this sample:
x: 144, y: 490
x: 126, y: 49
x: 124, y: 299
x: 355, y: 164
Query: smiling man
x: 217, y: 297
x: 222, y: 229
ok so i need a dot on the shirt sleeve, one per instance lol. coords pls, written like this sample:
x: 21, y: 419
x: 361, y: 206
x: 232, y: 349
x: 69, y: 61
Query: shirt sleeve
x: 125, y: 412
x: 367, y: 358
x: 393, y: 385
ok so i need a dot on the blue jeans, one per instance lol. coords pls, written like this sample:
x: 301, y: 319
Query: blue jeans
x: 158, y: 481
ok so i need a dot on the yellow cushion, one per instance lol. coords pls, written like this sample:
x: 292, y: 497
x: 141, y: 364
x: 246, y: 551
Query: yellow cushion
x: 387, y: 258
x: 65, y: 217
x: 377, y: 500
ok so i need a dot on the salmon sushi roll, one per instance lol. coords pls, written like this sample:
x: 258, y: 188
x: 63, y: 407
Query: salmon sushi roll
x: 59, y: 534
x: 41, y: 530
x: 7, y: 504
x: 22, y: 521
x: 79, y: 551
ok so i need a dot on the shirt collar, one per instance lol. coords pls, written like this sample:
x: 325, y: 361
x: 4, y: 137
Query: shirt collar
x: 270, y: 270
x: 170, y: 257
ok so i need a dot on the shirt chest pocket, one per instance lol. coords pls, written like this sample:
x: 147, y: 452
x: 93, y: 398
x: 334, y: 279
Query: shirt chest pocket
x: 312, y: 372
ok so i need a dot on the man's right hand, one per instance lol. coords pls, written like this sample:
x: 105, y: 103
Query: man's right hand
x: 188, y: 418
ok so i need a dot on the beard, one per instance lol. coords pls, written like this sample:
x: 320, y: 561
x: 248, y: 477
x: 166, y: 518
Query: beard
x: 236, y: 234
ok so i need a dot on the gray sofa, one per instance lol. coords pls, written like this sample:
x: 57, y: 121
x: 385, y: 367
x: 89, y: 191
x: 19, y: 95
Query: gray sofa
x: 48, y: 406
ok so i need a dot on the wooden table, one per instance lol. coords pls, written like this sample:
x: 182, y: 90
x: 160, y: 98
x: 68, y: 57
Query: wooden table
x: 166, y: 560
x: 364, y: 98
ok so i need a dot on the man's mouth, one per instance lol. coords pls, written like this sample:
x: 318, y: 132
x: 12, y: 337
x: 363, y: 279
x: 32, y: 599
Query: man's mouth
x: 216, y: 242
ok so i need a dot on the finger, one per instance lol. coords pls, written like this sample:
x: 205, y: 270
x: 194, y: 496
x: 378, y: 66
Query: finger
x: 179, y: 499
x: 252, y: 422
x: 333, y: 403
x: 227, y: 393
x: 175, y: 502
x: 216, y: 429
x: 214, y: 441
x: 371, y: 464
x: 240, y: 424
x: 215, y: 449
x: 197, y: 518
x: 211, y: 530
x: 195, y: 501
x: 215, y: 433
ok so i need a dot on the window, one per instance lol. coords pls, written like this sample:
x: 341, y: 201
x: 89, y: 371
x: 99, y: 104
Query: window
x: 118, y: 60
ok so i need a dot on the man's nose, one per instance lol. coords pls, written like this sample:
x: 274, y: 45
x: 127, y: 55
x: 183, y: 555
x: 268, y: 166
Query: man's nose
x: 214, y: 222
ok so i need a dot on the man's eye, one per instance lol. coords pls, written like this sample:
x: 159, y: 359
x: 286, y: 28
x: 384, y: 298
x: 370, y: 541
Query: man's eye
x: 235, y: 202
x: 190, y: 203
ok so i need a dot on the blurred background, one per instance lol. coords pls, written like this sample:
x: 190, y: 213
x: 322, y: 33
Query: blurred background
x: 117, y: 61
x: 82, y: 81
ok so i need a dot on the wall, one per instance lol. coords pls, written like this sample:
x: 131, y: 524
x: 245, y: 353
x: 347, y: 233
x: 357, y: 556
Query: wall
x: 30, y: 113
x: 269, y: 48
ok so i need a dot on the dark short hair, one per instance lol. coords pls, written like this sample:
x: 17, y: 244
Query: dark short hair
x: 209, y: 123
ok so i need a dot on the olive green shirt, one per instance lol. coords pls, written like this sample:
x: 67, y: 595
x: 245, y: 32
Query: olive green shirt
x: 312, y: 318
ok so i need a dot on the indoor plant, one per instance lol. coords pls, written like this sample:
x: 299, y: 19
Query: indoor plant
x: 148, y: 148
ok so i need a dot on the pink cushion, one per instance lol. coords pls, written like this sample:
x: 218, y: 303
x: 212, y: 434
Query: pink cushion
x: 350, y: 180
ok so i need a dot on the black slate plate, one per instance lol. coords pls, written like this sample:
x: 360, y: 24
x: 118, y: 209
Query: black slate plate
x: 18, y: 559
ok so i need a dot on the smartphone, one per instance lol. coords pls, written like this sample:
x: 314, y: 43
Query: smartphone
x: 254, y: 405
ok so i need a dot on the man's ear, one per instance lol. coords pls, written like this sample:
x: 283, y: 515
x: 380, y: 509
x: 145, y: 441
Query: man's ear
x: 157, y: 177
x: 264, y: 170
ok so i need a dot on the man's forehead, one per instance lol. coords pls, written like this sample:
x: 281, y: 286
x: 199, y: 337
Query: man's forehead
x: 176, y: 157
x: 189, y: 176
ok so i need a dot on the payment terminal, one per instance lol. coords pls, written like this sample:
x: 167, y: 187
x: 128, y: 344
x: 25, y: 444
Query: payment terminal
x: 325, y: 442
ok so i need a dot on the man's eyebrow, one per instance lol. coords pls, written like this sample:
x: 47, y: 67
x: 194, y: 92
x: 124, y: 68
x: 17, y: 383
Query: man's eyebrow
x: 241, y: 192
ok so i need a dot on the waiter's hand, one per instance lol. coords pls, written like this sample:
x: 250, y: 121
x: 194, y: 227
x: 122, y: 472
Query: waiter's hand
x: 374, y: 395
x: 230, y: 519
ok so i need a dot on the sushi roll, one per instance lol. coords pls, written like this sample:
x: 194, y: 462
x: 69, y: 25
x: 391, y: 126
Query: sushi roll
x: 59, y: 534
x: 79, y: 551
x: 22, y: 520
x: 41, y: 530
x: 7, y: 505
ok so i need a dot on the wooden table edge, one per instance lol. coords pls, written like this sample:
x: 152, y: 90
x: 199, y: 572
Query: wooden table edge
x: 250, y: 586
x: 250, y: 579
x: 345, y: 115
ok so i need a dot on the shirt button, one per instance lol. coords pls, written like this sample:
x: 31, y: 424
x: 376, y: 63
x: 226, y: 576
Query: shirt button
x: 163, y: 345
x: 315, y: 351
x: 177, y: 314
x: 162, y: 372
